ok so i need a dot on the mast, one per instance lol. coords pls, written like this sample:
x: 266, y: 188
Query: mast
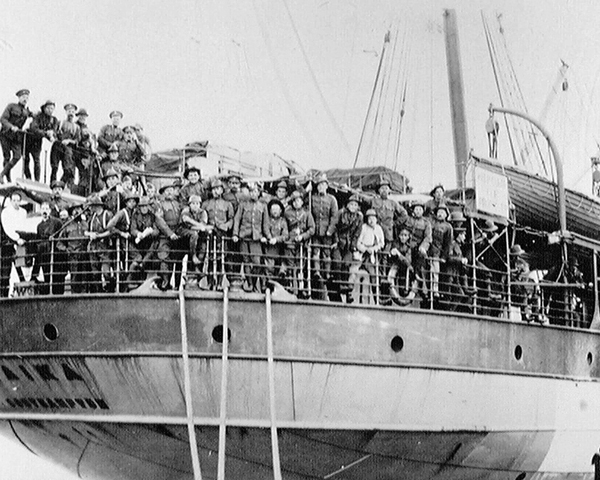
x: 457, y: 97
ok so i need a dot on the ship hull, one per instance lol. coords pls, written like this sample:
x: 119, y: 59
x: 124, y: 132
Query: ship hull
x: 455, y: 397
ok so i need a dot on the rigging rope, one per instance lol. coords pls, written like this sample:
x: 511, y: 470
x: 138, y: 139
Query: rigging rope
x: 313, y: 77
x: 281, y: 80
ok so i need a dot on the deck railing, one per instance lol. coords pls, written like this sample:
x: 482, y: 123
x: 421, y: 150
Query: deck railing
x: 117, y: 265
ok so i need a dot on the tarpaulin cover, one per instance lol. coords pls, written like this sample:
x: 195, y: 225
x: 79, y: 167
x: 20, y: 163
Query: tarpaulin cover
x: 368, y: 178
x: 170, y: 160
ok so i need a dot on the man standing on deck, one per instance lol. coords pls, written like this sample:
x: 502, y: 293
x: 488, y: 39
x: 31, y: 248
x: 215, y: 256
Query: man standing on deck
x: 170, y: 247
x: 12, y: 136
x: 193, y: 187
x: 44, y: 125
x: 248, y: 229
x: 220, y: 216
x: 63, y: 151
x: 389, y: 213
x: 324, y: 211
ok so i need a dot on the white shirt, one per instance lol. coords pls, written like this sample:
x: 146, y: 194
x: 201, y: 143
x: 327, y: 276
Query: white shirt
x: 13, y: 220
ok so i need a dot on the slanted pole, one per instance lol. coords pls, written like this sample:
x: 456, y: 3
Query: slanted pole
x: 457, y: 98
x: 224, y: 373
x: 271, y: 370
x: 187, y: 381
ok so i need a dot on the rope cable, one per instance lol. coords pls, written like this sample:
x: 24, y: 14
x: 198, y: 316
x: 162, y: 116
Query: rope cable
x: 313, y: 77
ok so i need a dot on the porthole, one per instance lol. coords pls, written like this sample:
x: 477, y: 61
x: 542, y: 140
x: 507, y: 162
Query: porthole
x: 397, y: 343
x: 518, y: 352
x: 521, y: 476
x: 590, y: 358
x: 217, y: 334
x: 50, y: 332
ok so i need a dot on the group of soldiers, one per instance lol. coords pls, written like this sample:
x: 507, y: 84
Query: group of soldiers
x: 291, y: 233
x: 296, y: 236
x: 82, y: 156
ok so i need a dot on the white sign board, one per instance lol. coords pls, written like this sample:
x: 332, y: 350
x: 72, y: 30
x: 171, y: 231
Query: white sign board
x: 491, y: 192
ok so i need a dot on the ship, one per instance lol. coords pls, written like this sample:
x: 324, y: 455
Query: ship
x: 194, y: 384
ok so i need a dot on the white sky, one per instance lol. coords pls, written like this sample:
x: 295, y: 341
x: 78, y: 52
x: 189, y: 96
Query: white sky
x: 232, y: 72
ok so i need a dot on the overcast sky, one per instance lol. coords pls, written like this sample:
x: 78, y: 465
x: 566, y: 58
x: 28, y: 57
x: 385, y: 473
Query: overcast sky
x: 294, y: 77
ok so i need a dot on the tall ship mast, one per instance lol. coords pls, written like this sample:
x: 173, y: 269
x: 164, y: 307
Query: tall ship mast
x: 493, y: 378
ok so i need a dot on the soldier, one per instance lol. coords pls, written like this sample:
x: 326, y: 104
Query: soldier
x: 522, y: 295
x: 49, y: 257
x: 348, y: 225
x: 324, y: 210
x: 437, y: 194
x: 120, y: 227
x: 131, y: 150
x: 194, y: 230
x: 276, y: 235
x: 281, y: 193
x: 248, y: 228
x: 220, y: 216
x: 110, y: 134
x: 193, y: 187
x: 171, y: 249
x: 301, y: 227
x: 85, y: 155
x: 12, y: 135
x: 389, y: 213
x: 112, y: 194
x: 100, y: 247
x: 44, y: 125
x: 441, y: 239
x: 420, y: 240
x: 144, y: 239
x: 400, y: 262
x: 76, y: 249
x: 456, y: 273
x: 233, y: 194
x: 69, y: 136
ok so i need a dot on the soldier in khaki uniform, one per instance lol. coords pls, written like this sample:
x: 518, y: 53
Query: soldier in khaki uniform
x: 171, y: 249
x: 144, y: 239
x: 324, y: 211
x: 248, y: 227
x: 276, y: 236
x: 220, y: 216
x: 301, y: 227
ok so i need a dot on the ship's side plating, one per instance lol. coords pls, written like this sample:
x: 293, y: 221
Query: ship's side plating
x: 97, y: 384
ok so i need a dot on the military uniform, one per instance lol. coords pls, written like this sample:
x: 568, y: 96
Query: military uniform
x: 143, y: 250
x: 50, y: 257
x: 347, y: 231
x: 301, y: 227
x: 101, y: 252
x: 42, y: 126
x: 420, y: 240
x: 324, y: 210
x: 171, y: 249
x: 63, y: 151
x: 77, y: 254
x: 249, y: 226
x: 14, y: 116
x: 220, y: 216
x: 192, y: 189
x: 108, y: 135
x: 195, y: 238
x: 276, y: 230
x: 441, y: 240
